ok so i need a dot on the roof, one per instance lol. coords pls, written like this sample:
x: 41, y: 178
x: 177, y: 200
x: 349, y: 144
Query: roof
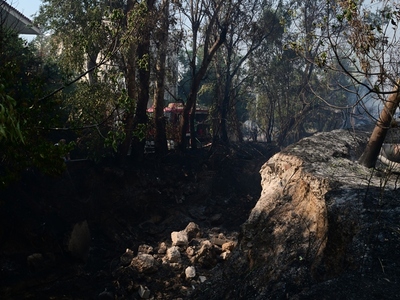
x: 13, y: 19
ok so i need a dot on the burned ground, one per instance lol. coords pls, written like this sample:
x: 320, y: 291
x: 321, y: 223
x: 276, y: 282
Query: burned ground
x: 129, y: 207
x: 124, y: 207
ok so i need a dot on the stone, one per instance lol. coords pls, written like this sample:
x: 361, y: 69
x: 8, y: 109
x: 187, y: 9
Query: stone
x: 190, y: 251
x: 179, y: 238
x: 310, y: 210
x: 162, y: 248
x: 190, y: 272
x: 144, y: 263
x: 206, y: 244
x: 391, y: 152
x: 173, y: 254
x: 228, y: 246
x: 205, y: 256
x: 79, y: 241
x: 105, y: 295
x: 35, y: 261
x: 127, y: 257
x: 146, y: 249
x: 218, y: 241
x: 144, y: 292
x: 202, y: 278
x: 225, y: 255
x: 192, y: 230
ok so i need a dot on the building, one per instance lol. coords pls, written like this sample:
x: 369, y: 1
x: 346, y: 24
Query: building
x: 13, y: 19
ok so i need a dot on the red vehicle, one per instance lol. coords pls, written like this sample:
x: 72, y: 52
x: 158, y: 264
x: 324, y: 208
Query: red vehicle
x: 173, y: 114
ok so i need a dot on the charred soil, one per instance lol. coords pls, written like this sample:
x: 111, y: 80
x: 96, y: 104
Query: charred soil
x: 123, y: 207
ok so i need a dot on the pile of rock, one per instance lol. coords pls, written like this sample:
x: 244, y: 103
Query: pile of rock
x: 188, y: 256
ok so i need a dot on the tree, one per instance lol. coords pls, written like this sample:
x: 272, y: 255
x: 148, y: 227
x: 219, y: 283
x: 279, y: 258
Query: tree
x: 364, y: 44
x: 26, y: 128
x: 252, y: 23
x: 295, y: 97
x: 303, y: 27
x: 162, y: 47
x: 79, y: 33
x: 141, y: 15
x: 88, y: 39
x: 110, y: 36
x: 371, y: 152
x: 212, y: 17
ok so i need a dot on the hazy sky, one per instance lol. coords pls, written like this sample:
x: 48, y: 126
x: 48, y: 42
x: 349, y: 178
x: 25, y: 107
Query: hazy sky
x: 26, y: 7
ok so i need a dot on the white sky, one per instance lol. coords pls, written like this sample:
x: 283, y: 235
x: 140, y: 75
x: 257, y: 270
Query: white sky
x: 26, y: 7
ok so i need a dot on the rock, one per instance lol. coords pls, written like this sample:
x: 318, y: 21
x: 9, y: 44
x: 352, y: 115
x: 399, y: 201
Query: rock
x: 105, y: 295
x: 144, y: 292
x: 225, y: 255
x: 218, y: 241
x: 35, y: 261
x: 127, y: 257
x: 192, y: 230
x: 202, y: 279
x: 391, y: 152
x: 205, y: 256
x: 144, y: 263
x: 79, y: 241
x: 310, y: 223
x: 162, y: 248
x: 146, y: 249
x: 204, y: 246
x: 179, y: 238
x: 190, y: 251
x: 190, y: 272
x: 228, y: 246
x: 173, y: 254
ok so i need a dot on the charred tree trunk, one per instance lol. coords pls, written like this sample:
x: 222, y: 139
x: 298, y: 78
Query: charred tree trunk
x: 160, y: 139
x: 371, y: 152
x: 129, y: 113
x: 191, y: 101
x: 225, y: 110
x: 238, y: 128
x: 143, y: 54
x: 184, y: 125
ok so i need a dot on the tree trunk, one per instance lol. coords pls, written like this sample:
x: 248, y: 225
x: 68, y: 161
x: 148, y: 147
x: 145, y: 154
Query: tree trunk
x: 184, y: 124
x: 124, y: 149
x: 225, y: 109
x: 143, y: 54
x: 371, y: 152
x: 238, y: 126
x: 160, y: 138
x: 193, y: 133
x: 90, y: 65
x: 190, y: 104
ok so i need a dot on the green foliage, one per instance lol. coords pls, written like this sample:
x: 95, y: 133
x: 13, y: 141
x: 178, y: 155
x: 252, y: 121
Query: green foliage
x: 95, y: 113
x: 114, y: 139
x: 144, y: 62
x: 10, y: 129
x: 25, y: 137
x: 79, y: 31
x: 140, y: 131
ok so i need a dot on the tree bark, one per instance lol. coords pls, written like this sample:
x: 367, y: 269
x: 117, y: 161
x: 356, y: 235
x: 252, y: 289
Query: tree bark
x: 143, y: 53
x: 130, y: 77
x: 160, y: 139
x: 371, y: 152
x: 190, y: 104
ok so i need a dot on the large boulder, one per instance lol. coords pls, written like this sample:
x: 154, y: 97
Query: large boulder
x: 313, y: 224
